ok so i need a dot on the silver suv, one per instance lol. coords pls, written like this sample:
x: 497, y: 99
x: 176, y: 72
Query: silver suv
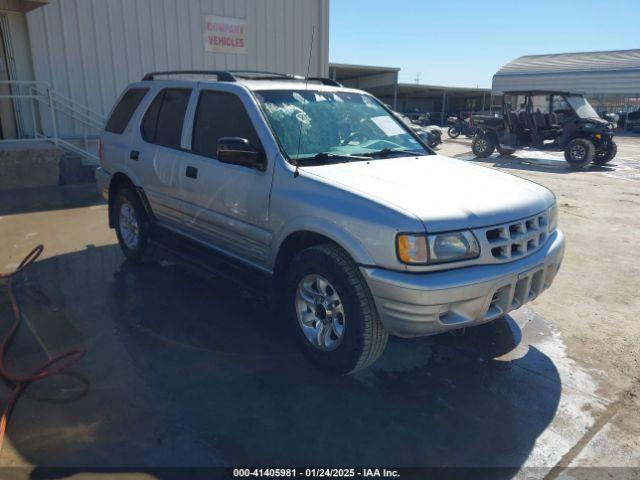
x: 365, y: 230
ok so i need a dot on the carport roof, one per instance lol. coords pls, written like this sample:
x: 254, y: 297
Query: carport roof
x: 574, y: 62
x: 420, y: 90
x: 346, y: 71
x: 614, y: 72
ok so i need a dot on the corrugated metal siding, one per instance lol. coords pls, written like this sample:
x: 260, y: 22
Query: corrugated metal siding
x: 609, y: 73
x: 90, y: 50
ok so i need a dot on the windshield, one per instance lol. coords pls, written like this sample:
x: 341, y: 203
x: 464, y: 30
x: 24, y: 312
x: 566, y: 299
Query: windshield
x: 328, y: 125
x: 581, y: 106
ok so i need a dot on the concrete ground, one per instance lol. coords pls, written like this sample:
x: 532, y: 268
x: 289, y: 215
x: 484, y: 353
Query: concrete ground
x: 187, y: 367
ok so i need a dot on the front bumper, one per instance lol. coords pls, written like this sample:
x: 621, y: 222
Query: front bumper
x: 416, y: 304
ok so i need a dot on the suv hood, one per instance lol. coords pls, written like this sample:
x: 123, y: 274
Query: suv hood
x: 444, y: 193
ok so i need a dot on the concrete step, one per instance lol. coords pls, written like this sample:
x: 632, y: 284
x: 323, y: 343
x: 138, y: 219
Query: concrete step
x: 41, y: 164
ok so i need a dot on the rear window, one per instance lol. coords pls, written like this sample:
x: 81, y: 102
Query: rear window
x: 162, y: 124
x: 124, y: 110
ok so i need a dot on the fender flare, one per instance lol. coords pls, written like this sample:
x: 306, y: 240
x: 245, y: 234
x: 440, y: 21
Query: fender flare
x: 340, y: 236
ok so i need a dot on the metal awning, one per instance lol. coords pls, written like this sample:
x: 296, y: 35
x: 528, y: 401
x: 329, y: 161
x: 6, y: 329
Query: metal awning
x: 21, y: 6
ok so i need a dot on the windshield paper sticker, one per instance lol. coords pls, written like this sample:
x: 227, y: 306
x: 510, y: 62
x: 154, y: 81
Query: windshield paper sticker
x: 388, y: 126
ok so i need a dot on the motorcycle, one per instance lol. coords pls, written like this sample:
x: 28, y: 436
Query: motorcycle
x: 459, y: 126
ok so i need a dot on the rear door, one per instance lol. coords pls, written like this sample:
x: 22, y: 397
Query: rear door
x: 227, y: 205
x: 157, y: 155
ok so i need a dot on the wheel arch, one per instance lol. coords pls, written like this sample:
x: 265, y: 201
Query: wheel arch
x: 121, y: 180
x: 297, y: 239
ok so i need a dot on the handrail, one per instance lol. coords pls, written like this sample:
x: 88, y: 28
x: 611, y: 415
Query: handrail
x: 52, y: 104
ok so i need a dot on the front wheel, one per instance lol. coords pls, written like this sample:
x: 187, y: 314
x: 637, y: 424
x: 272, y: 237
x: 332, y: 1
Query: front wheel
x: 579, y: 153
x: 607, y: 154
x: 483, y: 145
x: 453, y: 132
x: 330, y: 306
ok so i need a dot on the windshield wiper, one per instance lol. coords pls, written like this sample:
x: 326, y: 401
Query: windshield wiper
x: 385, y: 152
x: 324, y: 156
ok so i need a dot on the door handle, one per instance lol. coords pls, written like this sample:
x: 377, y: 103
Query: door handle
x: 134, y: 155
x: 192, y: 172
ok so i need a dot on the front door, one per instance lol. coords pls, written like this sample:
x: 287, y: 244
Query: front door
x: 226, y: 205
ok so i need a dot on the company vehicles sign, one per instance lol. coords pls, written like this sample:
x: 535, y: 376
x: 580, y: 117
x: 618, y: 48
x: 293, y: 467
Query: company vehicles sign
x: 225, y: 34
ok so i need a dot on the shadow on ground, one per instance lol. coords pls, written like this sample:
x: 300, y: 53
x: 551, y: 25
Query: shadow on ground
x: 535, y: 164
x: 27, y: 200
x: 185, y: 368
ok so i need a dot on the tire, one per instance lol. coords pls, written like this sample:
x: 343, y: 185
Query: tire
x: 579, y: 153
x: 483, y: 145
x: 131, y: 224
x: 363, y: 337
x: 608, y: 155
x: 453, y: 132
x: 505, y: 151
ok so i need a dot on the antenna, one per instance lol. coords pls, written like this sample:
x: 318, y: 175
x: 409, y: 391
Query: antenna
x: 304, y: 104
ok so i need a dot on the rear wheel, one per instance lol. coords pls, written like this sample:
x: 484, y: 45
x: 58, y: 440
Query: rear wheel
x: 483, y: 145
x: 607, y: 154
x: 579, y: 153
x: 453, y: 132
x: 131, y: 223
x: 332, y: 310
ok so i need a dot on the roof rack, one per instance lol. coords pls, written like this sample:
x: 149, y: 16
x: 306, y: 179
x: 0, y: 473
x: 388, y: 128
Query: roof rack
x: 233, y: 75
x: 264, y: 75
x: 222, y: 75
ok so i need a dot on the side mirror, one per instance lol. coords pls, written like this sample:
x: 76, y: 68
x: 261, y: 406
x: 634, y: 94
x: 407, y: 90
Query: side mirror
x: 238, y: 151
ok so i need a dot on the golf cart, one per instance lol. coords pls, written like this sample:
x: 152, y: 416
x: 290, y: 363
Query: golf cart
x: 550, y: 121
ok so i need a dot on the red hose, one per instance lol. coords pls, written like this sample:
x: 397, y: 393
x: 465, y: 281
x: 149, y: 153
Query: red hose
x: 50, y: 367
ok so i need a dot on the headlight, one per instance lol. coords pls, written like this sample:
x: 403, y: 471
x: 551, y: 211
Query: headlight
x: 553, y: 217
x: 437, y: 248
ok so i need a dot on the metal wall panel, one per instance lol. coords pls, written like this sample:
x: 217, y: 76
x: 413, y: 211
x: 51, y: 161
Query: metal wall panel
x: 90, y: 50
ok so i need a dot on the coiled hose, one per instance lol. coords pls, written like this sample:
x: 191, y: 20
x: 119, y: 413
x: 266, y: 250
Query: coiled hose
x: 52, y: 366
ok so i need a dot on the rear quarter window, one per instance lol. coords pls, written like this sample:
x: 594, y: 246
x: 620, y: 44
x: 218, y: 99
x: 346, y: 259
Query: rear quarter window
x: 124, y: 110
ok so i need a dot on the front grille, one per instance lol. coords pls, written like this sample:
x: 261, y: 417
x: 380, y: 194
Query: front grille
x: 514, y: 240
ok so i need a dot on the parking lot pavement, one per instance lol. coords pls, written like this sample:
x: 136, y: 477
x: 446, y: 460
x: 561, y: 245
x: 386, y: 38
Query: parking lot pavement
x: 187, y: 367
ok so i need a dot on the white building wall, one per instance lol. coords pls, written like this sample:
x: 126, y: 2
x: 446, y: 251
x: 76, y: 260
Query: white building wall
x: 89, y: 50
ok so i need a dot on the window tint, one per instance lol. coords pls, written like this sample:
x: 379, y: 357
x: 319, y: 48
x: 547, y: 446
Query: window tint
x: 151, y: 118
x: 220, y: 115
x: 124, y: 110
x: 162, y: 124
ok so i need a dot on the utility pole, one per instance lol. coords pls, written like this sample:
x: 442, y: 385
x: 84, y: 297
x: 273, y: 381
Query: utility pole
x: 417, y: 79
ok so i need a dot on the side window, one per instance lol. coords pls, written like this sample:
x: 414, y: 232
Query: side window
x: 150, y: 119
x: 123, y: 112
x: 162, y: 124
x: 560, y: 105
x: 218, y: 115
x: 540, y: 103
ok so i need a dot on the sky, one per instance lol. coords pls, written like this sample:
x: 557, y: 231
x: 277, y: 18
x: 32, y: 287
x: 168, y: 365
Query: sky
x: 463, y: 43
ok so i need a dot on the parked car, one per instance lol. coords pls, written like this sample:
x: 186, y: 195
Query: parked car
x: 547, y: 120
x: 431, y: 135
x: 363, y: 231
x: 632, y: 123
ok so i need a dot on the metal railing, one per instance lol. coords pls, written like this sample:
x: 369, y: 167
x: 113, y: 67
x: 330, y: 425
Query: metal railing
x: 46, y: 108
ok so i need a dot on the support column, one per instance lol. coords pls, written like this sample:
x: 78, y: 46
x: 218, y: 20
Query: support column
x: 444, y: 103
